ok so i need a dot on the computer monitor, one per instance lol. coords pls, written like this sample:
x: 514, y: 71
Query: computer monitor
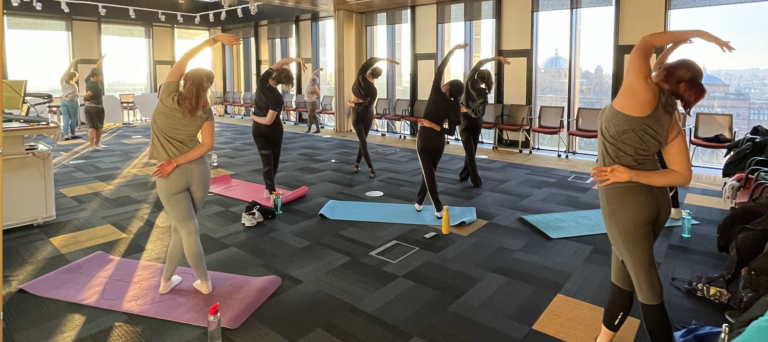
x: 13, y: 94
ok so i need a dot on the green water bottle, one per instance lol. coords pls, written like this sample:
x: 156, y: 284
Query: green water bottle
x: 686, y: 223
x: 277, y: 202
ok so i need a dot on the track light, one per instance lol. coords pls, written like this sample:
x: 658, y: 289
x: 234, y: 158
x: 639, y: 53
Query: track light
x: 253, y: 8
x: 178, y: 16
x: 64, y: 7
x: 15, y: 3
x: 223, y: 15
x: 132, y: 13
x: 240, y: 12
x: 38, y: 5
x: 102, y: 11
x: 197, y: 19
x: 161, y: 16
x: 210, y: 17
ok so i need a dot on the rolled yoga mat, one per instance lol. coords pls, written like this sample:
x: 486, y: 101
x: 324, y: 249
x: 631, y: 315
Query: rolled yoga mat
x: 247, y: 191
x: 393, y: 213
x: 576, y: 223
x: 131, y: 286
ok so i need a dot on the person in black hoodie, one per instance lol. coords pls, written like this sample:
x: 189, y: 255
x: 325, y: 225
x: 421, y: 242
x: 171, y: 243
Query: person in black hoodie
x: 442, y: 105
x: 478, y: 85
x: 365, y: 94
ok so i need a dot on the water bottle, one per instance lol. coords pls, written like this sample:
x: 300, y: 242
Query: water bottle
x: 214, y: 324
x: 687, y: 220
x: 724, y: 334
x: 214, y: 159
x: 446, y: 221
x: 277, y: 202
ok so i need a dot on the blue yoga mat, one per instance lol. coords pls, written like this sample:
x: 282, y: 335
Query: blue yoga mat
x: 393, y: 213
x: 576, y: 223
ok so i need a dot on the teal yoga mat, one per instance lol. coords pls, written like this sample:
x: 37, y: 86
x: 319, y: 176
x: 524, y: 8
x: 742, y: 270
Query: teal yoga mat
x: 575, y: 223
x: 392, y: 213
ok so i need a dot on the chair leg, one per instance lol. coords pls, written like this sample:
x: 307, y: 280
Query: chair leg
x: 495, y: 138
x: 566, y: 142
x: 693, y: 153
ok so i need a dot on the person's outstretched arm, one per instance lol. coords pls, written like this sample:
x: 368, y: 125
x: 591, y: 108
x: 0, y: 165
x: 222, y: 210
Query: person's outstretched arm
x: 441, y: 68
x: 288, y: 60
x: 98, y: 64
x: 70, y: 68
x: 664, y: 56
x: 370, y: 63
x: 483, y: 62
x: 180, y: 67
x: 314, y: 74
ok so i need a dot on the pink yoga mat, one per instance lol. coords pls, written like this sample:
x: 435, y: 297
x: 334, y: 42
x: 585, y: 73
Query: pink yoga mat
x: 131, y: 286
x: 247, y: 191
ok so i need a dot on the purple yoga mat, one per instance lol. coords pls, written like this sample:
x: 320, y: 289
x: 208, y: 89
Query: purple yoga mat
x: 131, y: 286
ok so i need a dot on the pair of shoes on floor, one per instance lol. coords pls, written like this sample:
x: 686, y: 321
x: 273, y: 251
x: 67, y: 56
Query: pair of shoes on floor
x: 251, y: 218
x: 420, y: 207
x: 166, y: 287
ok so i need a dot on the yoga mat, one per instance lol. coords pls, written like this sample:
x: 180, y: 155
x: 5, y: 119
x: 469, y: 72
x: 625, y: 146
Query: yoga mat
x: 131, y: 286
x: 247, y: 191
x: 576, y: 223
x: 393, y: 213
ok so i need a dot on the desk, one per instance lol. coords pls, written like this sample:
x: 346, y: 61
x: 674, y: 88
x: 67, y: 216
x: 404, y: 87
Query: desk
x: 28, y: 194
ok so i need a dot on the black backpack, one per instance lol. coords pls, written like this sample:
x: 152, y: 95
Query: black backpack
x: 266, y: 212
x: 755, y: 282
x: 743, y: 215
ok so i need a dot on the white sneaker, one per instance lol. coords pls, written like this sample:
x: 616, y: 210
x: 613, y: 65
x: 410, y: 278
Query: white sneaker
x: 418, y: 207
x: 102, y: 146
x: 439, y: 214
x: 94, y: 149
x: 676, y: 214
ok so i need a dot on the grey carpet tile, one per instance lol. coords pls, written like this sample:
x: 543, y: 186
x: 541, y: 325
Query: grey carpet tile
x: 491, y: 285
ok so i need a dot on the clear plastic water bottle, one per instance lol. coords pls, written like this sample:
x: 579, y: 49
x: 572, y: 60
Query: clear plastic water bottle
x: 724, y: 334
x: 277, y: 202
x: 214, y: 159
x: 686, y: 223
x: 214, y: 324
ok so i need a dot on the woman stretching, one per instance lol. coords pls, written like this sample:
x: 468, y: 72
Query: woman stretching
x: 442, y: 105
x: 183, y: 178
x: 478, y: 85
x: 634, y: 197
x: 94, y: 106
x: 364, y: 96
x: 70, y: 106
x: 266, y: 130
x: 313, y: 93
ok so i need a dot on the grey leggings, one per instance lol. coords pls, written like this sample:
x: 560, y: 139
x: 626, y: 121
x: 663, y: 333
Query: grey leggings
x: 183, y: 193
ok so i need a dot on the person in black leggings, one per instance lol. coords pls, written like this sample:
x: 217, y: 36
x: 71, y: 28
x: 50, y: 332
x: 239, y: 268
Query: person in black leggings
x: 365, y: 94
x: 478, y: 85
x: 442, y: 105
x: 267, y: 131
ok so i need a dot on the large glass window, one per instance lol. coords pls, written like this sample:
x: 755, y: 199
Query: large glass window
x: 737, y: 83
x: 454, y: 33
x: 593, y: 64
x: 403, y: 55
x: 126, y: 67
x: 327, y: 57
x: 378, y: 48
x: 41, y: 69
x: 189, y: 38
x: 552, y: 51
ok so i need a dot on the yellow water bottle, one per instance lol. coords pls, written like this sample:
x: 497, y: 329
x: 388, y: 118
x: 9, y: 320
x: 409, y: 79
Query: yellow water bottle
x: 446, y: 221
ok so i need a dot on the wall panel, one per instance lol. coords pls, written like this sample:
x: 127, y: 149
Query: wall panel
x: 515, y: 24
x: 426, y: 28
x: 515, y: 81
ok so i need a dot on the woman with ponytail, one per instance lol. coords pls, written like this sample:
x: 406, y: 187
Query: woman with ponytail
x: 183, y: 178
x: 313, y: 94
x: 634, y: 195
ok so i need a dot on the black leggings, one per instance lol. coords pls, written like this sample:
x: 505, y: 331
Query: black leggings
x: 672, y: 190
x: 430, y: 145
x: 361, y: 122
x: 470, y: 136
x: 269, y: 141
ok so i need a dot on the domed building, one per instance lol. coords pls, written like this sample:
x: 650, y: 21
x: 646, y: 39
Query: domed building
x: 552, y: 76
x: 714, y: 84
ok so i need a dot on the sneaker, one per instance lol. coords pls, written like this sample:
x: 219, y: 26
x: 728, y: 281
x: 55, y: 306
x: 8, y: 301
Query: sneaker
x: 67, y: 138
x: 75, y: 137
x: 439, y: 214
x: 252, y: 218
x: 316, y: 132
x: 676, y: 214
x: 97, y: 148
x: 103, y: 147
x: 418, y: 207
x: 93, y: 149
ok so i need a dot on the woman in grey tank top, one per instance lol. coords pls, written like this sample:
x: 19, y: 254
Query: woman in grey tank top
x: 313, y: 94
x: 634, y: 197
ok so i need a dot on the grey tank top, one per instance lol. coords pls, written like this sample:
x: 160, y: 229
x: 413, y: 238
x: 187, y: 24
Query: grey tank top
x: 633, y: 141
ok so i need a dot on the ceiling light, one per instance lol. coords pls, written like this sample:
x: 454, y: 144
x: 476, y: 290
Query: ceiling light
x: 240, y: 12
x: 197, y: 19
x: 102, y: 11
x: 15, y: 2
x: 253, y: 8
x: 132, y: 13
x: 210, y: 17
x: 64, y: 7
x: 178, y: 16
x: 223, y: 15
x: 38, y: 5
x: 161, y: 16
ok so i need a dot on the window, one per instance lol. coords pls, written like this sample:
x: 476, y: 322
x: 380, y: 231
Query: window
x: 378, y: 48
x: 403, y: 55
x: 125, y: 45
x: 593, y: 64
x: 736, y: 82
x: 552, y: 53
x: 327, y: 57
x: 454, y: 33
x: 41, y: 69
x: 187, y: 39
